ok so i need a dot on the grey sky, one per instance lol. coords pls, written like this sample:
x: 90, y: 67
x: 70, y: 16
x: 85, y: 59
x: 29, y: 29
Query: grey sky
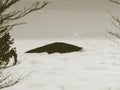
x: 67, y: 19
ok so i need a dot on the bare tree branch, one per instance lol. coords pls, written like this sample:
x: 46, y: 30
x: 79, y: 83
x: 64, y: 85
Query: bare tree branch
x: 7, y: 17
x: 115, y: 21
x: 5, y: 4
x: 115, y: 1
x: 114, y: 34
x: 32, y: 8
x: 5, y: 29
x: 8, y: 20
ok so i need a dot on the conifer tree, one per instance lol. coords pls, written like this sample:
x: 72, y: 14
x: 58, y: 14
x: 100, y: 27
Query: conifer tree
x: 8, y: 22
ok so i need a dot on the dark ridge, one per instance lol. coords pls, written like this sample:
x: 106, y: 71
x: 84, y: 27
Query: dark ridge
x: 57, y: 47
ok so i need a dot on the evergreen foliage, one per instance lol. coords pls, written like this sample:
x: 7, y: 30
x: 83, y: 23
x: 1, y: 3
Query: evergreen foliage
x: 8, y: 22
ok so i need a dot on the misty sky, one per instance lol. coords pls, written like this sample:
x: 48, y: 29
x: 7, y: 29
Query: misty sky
x: 67, y: 19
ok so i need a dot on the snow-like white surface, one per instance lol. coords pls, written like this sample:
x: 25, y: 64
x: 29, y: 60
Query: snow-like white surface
x: 96, y: 68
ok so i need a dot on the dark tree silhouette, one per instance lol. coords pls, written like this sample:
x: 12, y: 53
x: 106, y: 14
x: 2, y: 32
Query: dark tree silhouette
x: 8, y: 22
x: 5, y: 49
x: 115, y: 21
